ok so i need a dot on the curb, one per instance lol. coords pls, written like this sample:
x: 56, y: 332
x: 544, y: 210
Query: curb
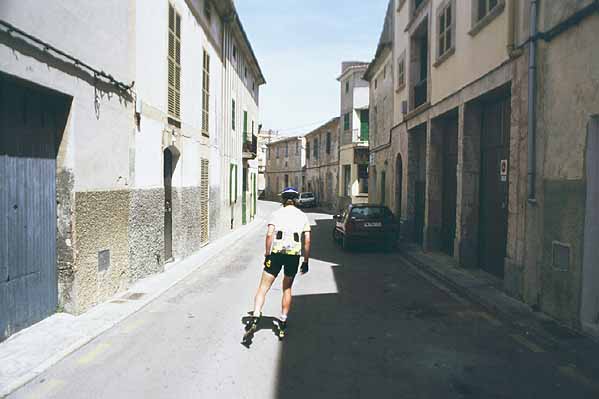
x: 509, y: 316
x: 213, y: 249
x: 573, y: 348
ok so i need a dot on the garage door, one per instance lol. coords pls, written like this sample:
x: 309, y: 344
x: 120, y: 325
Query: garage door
x: 28, y: 142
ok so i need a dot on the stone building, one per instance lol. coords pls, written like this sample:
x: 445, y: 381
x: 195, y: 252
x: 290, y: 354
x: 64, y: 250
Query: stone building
x: 491, y: 157
x: 322, y: 163
x: 285, y: 163
x: 265, y: 137
x: 353, y: 138
x: 111, y: 179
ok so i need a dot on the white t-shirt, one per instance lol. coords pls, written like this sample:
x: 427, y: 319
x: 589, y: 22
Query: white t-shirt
x: 289, y: 223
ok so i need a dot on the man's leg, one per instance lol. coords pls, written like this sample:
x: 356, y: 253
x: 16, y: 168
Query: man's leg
x: 286, y: 302
x: 265, y: 283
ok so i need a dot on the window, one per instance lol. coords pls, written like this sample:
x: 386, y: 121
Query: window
x: 347, y: 86
x: 277, y: 151
x: 376, y: 83
x: 206, y: 94
x: 385, y: 72
x: 286, y: 150
x: 252, y: 128
x: 233, y: 183
x: 308, y: 150
x: 401, y: 71
x: 364, y: 124
x: 174, y: 66
x: 483, y: 12
x: 485, y: 7
x: 234, y: 52
x: 246, y: 136
x: 286, y: 181
x: 316, y: 148
x: 363, y: 179
x: 328, y: 145
x: 346, y: 180
x: 207, y: 10
x: 233, y: 114
x: 446, y: 28
x: 346, y: 121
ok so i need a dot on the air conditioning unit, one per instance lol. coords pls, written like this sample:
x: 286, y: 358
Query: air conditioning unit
x: 404, y: 107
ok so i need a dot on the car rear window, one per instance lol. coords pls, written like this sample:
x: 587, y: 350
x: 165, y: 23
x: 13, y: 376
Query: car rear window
x: 370, y: 212
x: 307, y: 195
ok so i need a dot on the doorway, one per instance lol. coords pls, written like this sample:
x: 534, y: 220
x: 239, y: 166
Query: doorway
x: 495, y: 134
x: 398, y: 186
x: 32, y: 122
x: 417, y: 152
x: 168, y: 205
x: 449, y: 185
x: 590, y: 268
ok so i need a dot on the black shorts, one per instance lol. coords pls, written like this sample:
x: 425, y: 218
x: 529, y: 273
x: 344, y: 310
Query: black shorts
x: 280, y: 261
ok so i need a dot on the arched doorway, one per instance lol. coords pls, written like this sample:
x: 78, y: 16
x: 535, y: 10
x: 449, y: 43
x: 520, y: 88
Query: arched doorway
x: 169, y: 161
x: 398, y: 186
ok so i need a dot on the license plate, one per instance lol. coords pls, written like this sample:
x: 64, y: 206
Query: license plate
x: 373, y: 224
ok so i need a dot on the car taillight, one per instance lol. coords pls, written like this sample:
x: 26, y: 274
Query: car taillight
x: 349, y: 226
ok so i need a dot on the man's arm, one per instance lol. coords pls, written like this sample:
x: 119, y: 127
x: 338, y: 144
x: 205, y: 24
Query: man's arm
x: 269, y: 238
x: 307, y: 245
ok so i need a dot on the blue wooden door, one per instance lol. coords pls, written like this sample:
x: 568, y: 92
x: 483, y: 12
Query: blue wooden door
x: 28, y: 145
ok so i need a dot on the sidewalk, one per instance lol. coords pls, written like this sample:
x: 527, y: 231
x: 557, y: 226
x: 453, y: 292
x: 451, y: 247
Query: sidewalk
x: 487, y: 291
x: 31, y: 351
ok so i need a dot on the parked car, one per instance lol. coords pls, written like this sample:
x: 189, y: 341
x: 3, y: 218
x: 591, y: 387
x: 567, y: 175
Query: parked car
x: 306, y: 200
x: 366, y: 224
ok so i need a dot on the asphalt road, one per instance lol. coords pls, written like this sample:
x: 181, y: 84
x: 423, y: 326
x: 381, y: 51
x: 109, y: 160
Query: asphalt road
x: 364, y: 324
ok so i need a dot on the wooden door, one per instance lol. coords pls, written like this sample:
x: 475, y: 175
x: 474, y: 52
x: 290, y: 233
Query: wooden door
x: 494, y: 185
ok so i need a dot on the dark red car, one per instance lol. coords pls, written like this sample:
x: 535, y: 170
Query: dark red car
x: 366, y: 224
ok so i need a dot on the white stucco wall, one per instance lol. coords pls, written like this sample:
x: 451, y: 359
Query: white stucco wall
x: 401, y: 49
x: 90, y: 135
x: 475, y: 54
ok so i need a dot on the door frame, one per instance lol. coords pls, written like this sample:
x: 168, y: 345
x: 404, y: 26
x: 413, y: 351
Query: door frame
x: 168, y: 173
x: 589, y: 310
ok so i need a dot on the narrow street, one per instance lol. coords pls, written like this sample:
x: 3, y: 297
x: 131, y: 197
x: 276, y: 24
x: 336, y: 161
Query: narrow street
x: 364, y: 325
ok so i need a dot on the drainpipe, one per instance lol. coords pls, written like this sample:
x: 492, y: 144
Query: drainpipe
x: 532, y: 96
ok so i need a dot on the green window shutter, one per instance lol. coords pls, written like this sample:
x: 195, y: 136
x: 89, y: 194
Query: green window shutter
x: 245, y: 126
x: 364, y: 122
x: 233, y: 114
x: 346, y: 121
x: 231, y: 183
x: 235, y: 192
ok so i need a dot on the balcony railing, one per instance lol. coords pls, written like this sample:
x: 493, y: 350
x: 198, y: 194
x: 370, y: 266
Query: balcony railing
x: 353, y: 136
x: 420, y: 93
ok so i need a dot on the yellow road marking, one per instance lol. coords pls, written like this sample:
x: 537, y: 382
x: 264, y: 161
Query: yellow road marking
x: 46, y: 388
x: 133, y: 325
x: 571, y: 372
x: 93, y: 354
x: 469, y: 314
x: 490, y: 319
x: 528, y: 344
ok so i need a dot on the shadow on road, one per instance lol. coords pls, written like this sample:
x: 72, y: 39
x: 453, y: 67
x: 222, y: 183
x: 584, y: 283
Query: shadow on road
x: 265, y: 323
x: 389, y: 333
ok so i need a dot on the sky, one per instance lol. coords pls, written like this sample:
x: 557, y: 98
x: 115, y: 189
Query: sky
x: 300, y: 45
